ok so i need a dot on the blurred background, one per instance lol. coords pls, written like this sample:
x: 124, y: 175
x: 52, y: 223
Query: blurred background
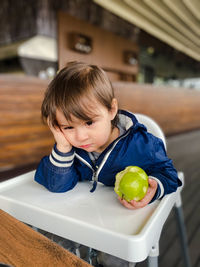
x: 150, y: 50
x: 164, y: 36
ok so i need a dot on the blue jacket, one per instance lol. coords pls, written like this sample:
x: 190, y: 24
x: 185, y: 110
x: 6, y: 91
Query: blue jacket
x: 60, y: 172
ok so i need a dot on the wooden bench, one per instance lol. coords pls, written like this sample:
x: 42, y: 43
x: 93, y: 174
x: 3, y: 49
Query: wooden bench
x: 24, y: 139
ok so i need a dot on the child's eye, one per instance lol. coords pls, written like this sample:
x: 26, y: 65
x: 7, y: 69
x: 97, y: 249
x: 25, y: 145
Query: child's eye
x: 89, y: 123
x: 68, y: 128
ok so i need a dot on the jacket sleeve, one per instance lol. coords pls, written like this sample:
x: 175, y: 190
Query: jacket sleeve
x: 57, y: 172
x: 162, y: 170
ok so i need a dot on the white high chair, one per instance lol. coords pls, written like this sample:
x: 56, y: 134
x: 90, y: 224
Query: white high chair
x: 96, y: 220
x: 155, y: 129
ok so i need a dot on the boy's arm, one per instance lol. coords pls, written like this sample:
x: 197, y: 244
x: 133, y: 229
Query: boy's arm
x: 163, y: 177
x: 162, y: 170
x: 57, y: 172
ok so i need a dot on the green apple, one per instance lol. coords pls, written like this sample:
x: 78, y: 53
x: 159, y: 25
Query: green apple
x: 131, y: 183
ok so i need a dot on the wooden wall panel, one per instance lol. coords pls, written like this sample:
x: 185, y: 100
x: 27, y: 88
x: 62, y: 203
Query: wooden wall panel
x: 23, y: 137
x: 24, y: 140
x: 175, y: 109
x: 108, y: 48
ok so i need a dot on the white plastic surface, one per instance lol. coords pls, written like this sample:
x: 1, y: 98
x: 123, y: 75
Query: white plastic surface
x: 96, y: 219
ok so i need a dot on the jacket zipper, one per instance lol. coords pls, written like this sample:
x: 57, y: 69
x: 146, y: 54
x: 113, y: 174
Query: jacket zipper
x: 94, y: 179
x: 98, y: 168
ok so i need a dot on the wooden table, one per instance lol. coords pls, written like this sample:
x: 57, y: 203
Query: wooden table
x: 20, y: 246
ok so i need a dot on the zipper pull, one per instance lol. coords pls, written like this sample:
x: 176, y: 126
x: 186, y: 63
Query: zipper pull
x: 94, y: 187
x: 94, y: 178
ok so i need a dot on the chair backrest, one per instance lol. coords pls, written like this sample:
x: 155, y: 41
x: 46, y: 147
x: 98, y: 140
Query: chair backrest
x: 152, y: 126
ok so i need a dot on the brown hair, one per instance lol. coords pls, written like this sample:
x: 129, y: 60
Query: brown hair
x: 73, y: 88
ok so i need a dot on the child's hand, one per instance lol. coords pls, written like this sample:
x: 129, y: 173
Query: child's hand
x: 147, y: 198
x: 62, y: 143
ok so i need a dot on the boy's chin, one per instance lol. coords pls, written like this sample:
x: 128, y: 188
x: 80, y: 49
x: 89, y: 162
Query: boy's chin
x: 89, y: 148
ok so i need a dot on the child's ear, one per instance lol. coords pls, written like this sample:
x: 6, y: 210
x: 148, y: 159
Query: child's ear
x: 114, y: 108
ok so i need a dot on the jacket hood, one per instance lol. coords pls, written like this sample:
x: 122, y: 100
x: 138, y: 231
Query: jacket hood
x: 128, y: 120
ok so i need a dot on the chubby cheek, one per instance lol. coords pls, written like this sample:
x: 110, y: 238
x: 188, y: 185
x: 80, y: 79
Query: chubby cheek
x: 102, y: 137
x: 69, y: 138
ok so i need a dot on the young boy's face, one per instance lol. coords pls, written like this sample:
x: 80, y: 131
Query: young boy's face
x: 93, y: 135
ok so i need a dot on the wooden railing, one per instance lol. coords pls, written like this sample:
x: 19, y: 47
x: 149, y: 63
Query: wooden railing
x: 24, y: 139
x: 176, y: 110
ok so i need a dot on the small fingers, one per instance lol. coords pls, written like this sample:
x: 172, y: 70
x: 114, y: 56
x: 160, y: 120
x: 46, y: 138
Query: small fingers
x: 49, y: 123
x: 126, y: 204
x: 139, y: 204
x: 153, y: 183
x: 52, y: 128
x: 143, y: 202
x: 135, y: 204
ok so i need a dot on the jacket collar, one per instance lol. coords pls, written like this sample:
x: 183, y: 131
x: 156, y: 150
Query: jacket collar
x: 127, y: 120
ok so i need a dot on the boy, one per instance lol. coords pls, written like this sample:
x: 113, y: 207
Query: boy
x: 95, y: 140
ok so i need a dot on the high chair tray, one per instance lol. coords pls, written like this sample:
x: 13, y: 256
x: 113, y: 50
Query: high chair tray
x: 96, y: 220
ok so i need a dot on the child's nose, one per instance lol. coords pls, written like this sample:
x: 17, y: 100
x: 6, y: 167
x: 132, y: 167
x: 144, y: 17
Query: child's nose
x: 81, y: 134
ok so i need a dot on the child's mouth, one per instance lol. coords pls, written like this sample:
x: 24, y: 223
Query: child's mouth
x: 85, y: 146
